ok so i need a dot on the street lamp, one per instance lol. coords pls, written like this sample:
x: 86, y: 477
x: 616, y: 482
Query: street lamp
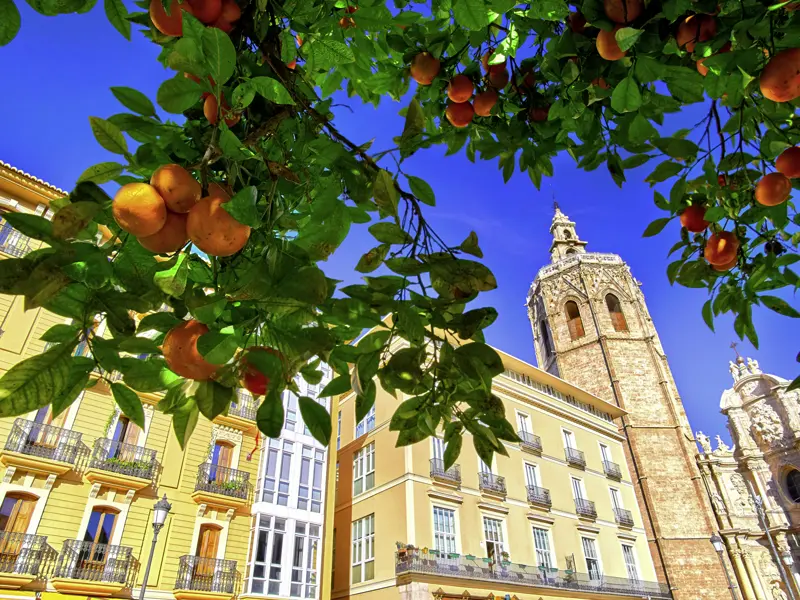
x: 160, y: 512
x: 716, y: 541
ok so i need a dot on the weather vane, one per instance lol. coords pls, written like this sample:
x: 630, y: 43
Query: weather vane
x: 733, y: 345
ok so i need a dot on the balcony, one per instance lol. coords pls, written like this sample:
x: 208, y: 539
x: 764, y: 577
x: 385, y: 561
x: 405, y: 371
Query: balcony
x: 439, y: 473
x: 121, y: 466
x: 41, y: 449
x: 585, y: 508
x: 539, y: 496
x: 241, y: 413
x: 612, y: 470
x: 221, y: 486
x: 12, y: 242
x: 490, y: 483
x: 206, y: 579
x: 623, y: 517
x: 24, y: 559
x: 575, y: 458
x: 530, y: 442
x: 524, y: 579
x: 90, y: 569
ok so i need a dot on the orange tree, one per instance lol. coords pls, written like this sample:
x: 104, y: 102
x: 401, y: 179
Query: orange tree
x: 258, y: 178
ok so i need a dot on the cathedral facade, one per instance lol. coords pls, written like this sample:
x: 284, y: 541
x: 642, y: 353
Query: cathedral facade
x: 754, y: 486
x: 592, y: 328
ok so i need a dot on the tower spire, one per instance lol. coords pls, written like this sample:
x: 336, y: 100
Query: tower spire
x: 565, y: 239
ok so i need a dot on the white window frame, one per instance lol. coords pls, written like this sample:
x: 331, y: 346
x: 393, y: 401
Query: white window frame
x: 605, y: 452
x: 616, y: 498
x: 364, y: 469
x: 596, y: 548
x: 501, y: 529
x: 581, y: 488
x: 309, y: 554
x: 568, y: 438
x: 632, y: 565
x: 445, y: 534
x: 363, y: 549
x: 550, y: 547
x: 366, y: 424
x: 524, y: 422
x: 536, y: 474
x: 484, y: 468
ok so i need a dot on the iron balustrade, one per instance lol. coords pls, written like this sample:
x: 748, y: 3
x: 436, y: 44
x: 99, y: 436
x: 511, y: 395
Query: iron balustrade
x: 24, y: 554
x: 202, y: 574
x: 410, y: 562
x: 489, y: 482
x: 585, y: 508
x: 453, y: 474
x: 529, y: 441
x: 244, y: 406
x: 623, y: 517
x: 612, y: 469
x: 89, y: 561
x: 222, y: 480
x: 12, y: 242
x: 44, y: 441
x: 575, y: 457
x: 539, y: 495
x: 125, y: 459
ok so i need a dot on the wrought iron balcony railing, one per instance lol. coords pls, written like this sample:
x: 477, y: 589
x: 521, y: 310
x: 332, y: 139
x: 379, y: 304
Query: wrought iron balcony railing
x: 201, y: 574
x: 44, y: 441
x: 505, y: 574
x: 12, y: 242
x: 585, y: 508
x: 25, y: 554
x: 623, y: 517
x: 97, y: 562
x: 125, y: 459
x: 612, y: 469
x: 529, y: 441
x: 539, y: 495
x: 222, y: 480
x: 244, y: 406
x: 575, y: 457
x: 489, y: 482
x: 438, y: 472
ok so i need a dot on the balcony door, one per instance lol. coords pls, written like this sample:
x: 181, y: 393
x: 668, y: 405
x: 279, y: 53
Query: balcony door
x: 578, y: 490
x: 94, y: 550
x: 39, y: 434
x: 126, y: 433
x: 222, y: 456
x: 15, y: 517
x: 531, y: 476
x: 206, y: 552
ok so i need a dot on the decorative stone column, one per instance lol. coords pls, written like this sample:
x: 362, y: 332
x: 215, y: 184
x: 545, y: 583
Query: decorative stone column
x: 741, y: 574
x: 752, y: 572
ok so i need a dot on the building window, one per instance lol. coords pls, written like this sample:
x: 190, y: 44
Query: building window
x: 569, y: 439
x: 310, y: 480
x: 291, y: 412
x: 592, y: 560
x: 574, y: 320
x: 616, y: 499
x: 339, y: 430
x: 524, y: 422
x: 577, y: 489
x: 493, y: 532
x: 605, y: 453
x: 793, y: 485
x: 615, y: 310
x: 444, y: 529
x: 567, y: 234
x: 629, y: 555
x: 304, y: 561
x: 438, y: 449
x: 364, y: 549
x: 364, y: 469
x: 266, y: 569
x: 541, y: 541
x: 367, y: 424
x: 276, y: 476
x: 16, y: 511
x: 531, y: 475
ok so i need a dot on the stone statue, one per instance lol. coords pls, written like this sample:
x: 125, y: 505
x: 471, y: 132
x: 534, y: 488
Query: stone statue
x: 718, y: 502
x: 733, y: 369
x: 752, y: 365
x: 777, y: 592
x: 766, y: 425
x: 705, y: 443
x: 721, y: 445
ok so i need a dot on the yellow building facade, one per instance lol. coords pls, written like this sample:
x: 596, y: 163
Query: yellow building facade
x: 77, y: 490
x: 556, y: 518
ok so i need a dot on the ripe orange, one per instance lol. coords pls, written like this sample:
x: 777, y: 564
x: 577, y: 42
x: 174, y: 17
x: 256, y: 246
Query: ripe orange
x: 347, y: 22
x: 181, y: 354
x: 491, y: 68
x: 601, y: 83
x: 607, y: 45
x: 170, y: 238
x: 424, y: 68
x: 773, y: 189
x: 254, y: 380
x: 539, y: 113
x: 780, y: 79
x: 229, y: 15
x: 701, y: 68
x: 168, y: 24
x: 459, y: 113
x: 484, y: 103
x: 788, y: 162
x: 139, y: 209
x: 693, y: 219
x: 211, y: 112
x: 577, y: 22
x: 460, y: 88
x: 217, y: 191
x: 177, y: 187
x: 207, y: 11
x: 694, y: 29
x: 213, y: 230
x: 721, y: 248
x: 623, y: 11
x: 727, y: 266
x: 498, y: 79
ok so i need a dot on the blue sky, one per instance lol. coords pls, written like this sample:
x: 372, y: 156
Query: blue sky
x: 57, y: 73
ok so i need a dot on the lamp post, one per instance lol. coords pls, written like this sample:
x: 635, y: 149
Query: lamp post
x: 716, y: 541
x: 160, y: 512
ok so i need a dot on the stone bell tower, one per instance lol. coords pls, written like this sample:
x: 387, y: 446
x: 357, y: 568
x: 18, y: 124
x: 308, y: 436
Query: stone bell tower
x: 592, y: 328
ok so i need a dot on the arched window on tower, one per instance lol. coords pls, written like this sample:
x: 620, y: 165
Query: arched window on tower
x: 567, y: 234
x: 570, y: 251
x: 547, y: 344
x: 574, y: 320
x: 615, y: 311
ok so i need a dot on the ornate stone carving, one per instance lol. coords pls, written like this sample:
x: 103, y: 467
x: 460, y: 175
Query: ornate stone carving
x: 50, y: 482
x: 9, y: 474
x: 719, y: 503
x: 777, y: 592
x: 94, y: 491
x: 742, y: 500
x: 704, y: 442
x: 225, y: 434
x: 722, y: 447
x: 768, y: 569
x: 766, y: 425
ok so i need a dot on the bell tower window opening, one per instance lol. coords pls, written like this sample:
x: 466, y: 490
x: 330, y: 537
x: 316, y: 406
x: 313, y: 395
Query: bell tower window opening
x: 616, y: 314
x: 574, y: 321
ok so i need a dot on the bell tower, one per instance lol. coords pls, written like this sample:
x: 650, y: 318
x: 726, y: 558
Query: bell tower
x: 592, y: 328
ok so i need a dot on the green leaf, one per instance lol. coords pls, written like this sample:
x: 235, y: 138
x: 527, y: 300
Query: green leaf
x: 78, y: 379
x: 108, y: 135
x: 9, y: 21
x: 134, y: 100
x: 102, y: 172
x: 151, y: 375
x: 687, y: 89
x: 206, y: 309
x: 470, y: 245
x: 386, y: 195
x: 73, y: 218
x: 33, y: 226
x: 780, y: 306
x: 323, y: 53
x: 548, y: 10
x: 389, y: 233
x: 117, y: 15
x: 337, y: 385
x: 219, y: 53
x: 708, y: 315
x: 61, y: 333
x: 172, y: 275
x: 655, y: 227
x: 664, y: 171
x: 271, y: 89
x: 184, y: 420
x: 231, y: 147
x: 372, y: 259
x: 627, y: 37
x: 160, y: 321
x: 129, y: 403
x: 452, y: 450
x: 178, y: 94
x: 421, y: 189
x: 626, y: 97
x: 406, y: 265
x: 317, y: 419
x: 242, y: 206
x: 641, y: 129
x: 212, y: 398
x: 36, y: 381
x: 415, y: 121
x: 269, y: 417
x: 472, y: 14
x: 217, y: 347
